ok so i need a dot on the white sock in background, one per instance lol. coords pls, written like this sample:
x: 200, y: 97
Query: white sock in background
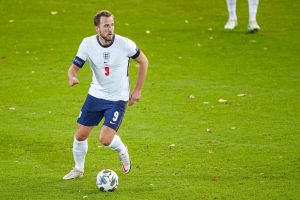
x: 117, y: 144
x: 231, y: 6
x: 80, y: 149
x: 253, y: 4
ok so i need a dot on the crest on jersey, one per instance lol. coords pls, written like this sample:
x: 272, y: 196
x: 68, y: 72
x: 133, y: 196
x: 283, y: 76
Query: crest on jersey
x: 106, y: 56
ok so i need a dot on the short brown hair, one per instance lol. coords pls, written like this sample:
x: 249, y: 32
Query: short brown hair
x: 102, y: 13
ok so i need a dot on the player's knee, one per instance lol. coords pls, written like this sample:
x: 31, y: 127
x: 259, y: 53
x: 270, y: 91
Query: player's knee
x: 105, y: 140
x: 82, y: 132
x: 80, y: 137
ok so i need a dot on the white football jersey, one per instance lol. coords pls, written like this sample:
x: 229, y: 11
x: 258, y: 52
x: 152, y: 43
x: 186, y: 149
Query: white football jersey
x: 109, y: 65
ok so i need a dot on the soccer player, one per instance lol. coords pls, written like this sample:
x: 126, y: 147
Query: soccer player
x: 232, y: 21
x: 108, y: 55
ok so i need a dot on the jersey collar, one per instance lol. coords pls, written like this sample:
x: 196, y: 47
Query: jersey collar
x: 105, y: 46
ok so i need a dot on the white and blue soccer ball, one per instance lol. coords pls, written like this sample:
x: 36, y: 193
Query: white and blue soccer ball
x: 107, y: 180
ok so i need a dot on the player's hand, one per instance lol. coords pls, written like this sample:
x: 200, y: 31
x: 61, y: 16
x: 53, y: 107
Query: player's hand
x: 73, y: 81
x: 135, y: 97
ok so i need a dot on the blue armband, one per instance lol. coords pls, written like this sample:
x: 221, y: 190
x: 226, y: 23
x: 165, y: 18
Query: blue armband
x: 78, y: 62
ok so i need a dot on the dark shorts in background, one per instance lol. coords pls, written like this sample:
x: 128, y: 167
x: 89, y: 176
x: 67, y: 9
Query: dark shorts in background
x: 94, y: 109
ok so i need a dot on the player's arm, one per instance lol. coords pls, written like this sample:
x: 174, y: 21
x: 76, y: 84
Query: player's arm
x: 143, y: 66
x: 72, y: 75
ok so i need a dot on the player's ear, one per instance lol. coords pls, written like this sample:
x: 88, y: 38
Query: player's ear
x: 97, y: 29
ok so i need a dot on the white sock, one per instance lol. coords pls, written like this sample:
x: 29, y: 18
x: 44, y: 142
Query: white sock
x: 253, y: 4
x: 117, y: 144
x: 80, y: 149
x: 231, y: 6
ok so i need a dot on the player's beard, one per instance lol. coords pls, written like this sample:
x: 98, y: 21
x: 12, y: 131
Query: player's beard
x: 107, y: 38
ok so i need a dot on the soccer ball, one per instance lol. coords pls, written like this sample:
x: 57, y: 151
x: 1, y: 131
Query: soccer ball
x: 107, y: 180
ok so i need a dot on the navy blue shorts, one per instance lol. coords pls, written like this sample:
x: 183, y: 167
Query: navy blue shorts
x: 94, y: 109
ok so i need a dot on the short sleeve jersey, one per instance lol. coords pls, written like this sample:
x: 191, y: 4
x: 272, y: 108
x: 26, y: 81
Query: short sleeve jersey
x: 109, y: 65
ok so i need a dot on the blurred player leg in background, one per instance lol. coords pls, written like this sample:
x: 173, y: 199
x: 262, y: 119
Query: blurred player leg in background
x: 232, y: 20
x: 253, y: 26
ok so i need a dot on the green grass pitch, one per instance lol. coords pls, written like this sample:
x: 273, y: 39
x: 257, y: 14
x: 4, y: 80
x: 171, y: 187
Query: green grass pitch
x: 184, y: 143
